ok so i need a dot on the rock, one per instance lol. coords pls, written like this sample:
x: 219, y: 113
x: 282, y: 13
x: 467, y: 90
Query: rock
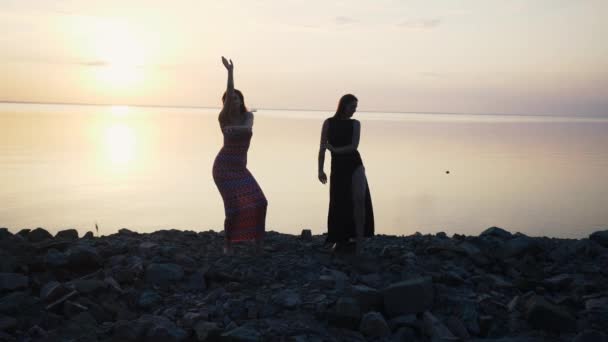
x: 207, y: 331
x: 125, y: 231
x: 404, y: 321
x: 67, y: 234
x: 288, y: 299
x: 24, y: 232
x: 88, y: 285
x: 88, y: 235
x: 39, y: 235
x: 71, y: 309
x: 55, y: 259
x: 346, y: 313
x: 306, y: 235
x: 159, y: 328
x: 409, y: 296
x: 147, y: 248
x: 590, y: 336
x: 241, y: 334
x: 600, y: 304
x: 83, y: 257
x: 456, y: 326
x: 559, y: 282
x: 601, y: 237
x: 436, y: 330
x: 61, y: 300
x: 13, y: 281
x: 163, y: 274
x: 52, y: 291
x: 7, y: 323
x: 149, y: 299
x: 496, y: 232
x: 4, y: 233
x: 518, y: 246
x: 126, y: 331
x: 374, y: 325
x: 196, y: 281
x: 541, y: 314
x: 367, y: 297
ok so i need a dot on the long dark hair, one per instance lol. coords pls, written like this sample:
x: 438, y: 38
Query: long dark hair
x: 344, y: 101
x: 238, y: 92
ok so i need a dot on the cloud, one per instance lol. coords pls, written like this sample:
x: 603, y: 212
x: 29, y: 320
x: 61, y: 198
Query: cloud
x: 341, y: 20
x: 421, y: 24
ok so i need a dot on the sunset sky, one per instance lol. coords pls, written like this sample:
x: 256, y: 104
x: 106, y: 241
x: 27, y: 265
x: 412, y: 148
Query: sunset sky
x: 469, y: 56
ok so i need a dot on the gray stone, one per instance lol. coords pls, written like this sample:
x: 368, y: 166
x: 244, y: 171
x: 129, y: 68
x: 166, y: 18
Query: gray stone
x: 160, y: 328
x: 52, y: 291
x: 7, y: 323
x: 13, y: 281
x: 207, y: 331
x: 196, y: 281
x: 5, y: 233
x: 88, y: 285
x: 436, y: 330
x: 241, y: 334
x: 88, y: 235
x: 374, y: 325
x: 23, y: 232
x: 288, y: 299
x: 496, y: 232
x: 346, y: 313
x: 67, y: 234
x: 546, y: 316
x: 39, y: 235
x: 306, y: 235
x: 367, y: 297
x: 601, y: 237
x: 147, y: 248
x: 148, y: 299
x: 83, y: 257
x: 518, y: 246
x: 559, y: 282
x: 55, y: 259
x: 163, y: 274
x: 590, y: 336
x: 409, y: 296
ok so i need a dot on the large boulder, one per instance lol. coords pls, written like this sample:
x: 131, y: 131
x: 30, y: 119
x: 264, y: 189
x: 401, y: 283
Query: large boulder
x: 541, y: 314
x: 160, y: 328
x: 600, y: 237
x: 345, y: 314
x: 436, y: 330
x: 67, y: 234
x: 55, y: 258
x: 368, y: 298
x: 38, y: 235
x: 374, y: 325
x: 82, y: 256
x: 163, y: 274
x: 496, y: 232
x: 13, y: 281
x: 4, y: 233
x: 409, y: 296
x: 518, y: 246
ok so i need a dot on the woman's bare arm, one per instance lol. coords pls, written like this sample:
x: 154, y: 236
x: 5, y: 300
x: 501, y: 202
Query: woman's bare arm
x: 322, y: 148
x: 227, y: 108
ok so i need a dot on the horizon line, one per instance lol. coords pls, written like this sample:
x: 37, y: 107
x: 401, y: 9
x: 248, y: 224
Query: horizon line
x: 296, y: 109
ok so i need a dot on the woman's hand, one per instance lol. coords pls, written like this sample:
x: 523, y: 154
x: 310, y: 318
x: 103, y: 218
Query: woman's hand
x: 229, y: 65
x: 322, y: 177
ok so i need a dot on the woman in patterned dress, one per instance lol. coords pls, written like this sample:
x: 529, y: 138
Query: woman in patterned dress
x: 350, y: 206
x: 244, y: 202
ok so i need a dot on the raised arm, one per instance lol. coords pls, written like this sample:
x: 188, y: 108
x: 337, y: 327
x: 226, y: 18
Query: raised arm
x: 227, y: 108
x: 322, y: 148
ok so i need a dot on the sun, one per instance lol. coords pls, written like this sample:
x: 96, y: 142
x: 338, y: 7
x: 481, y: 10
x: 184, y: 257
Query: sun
x: 120, y: 54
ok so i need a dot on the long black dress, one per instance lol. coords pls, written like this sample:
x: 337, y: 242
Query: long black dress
x: 340, y: 220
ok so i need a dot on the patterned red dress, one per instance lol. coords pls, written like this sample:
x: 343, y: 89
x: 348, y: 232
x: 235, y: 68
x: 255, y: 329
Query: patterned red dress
x: 244, y: 202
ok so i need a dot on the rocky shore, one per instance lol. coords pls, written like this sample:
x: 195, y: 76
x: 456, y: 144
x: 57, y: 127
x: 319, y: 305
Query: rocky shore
x: 177, y: 286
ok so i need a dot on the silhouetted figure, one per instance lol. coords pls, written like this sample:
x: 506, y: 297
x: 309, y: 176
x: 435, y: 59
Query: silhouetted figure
x: 244, y: 202
x: 350, y: 206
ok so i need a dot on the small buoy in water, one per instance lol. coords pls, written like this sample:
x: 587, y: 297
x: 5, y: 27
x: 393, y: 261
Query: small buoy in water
x: 447, y: 172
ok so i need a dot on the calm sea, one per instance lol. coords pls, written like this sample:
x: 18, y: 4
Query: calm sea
x: 64, y: 166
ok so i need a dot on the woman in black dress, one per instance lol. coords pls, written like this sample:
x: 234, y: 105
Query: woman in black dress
x: 350, y: 206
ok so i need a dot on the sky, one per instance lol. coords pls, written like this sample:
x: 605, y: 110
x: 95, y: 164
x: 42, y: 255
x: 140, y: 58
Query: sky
x: 541, y: 57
